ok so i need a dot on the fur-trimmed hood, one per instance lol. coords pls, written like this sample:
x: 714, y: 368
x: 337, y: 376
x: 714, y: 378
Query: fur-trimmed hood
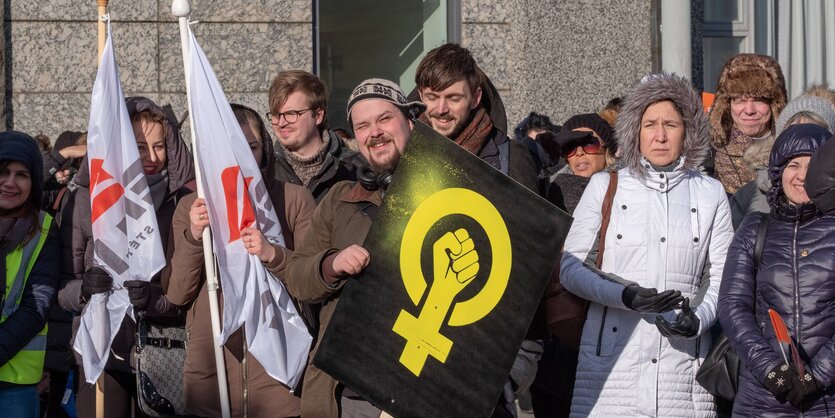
x: 745, y: 75
x: 651, y: 89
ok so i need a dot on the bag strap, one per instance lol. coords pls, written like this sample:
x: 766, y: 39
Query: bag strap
x: 607, y: 213
x: 57, y: 203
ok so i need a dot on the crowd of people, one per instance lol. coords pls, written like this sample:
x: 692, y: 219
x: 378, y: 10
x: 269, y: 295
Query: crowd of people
x: 689, y: 223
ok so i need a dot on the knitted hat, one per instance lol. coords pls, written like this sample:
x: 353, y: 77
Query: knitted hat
x: 811, y: 104
x: 597, y: 124
x: 745, y: 75
x: 378, y: 88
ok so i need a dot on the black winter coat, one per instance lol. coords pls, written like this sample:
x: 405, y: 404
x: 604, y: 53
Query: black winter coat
x: 820, y: 180
x: 796, y: 277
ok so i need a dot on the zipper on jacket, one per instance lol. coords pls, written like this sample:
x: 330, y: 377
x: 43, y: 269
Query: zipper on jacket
x: 796, y: 285
x: 602, y: 325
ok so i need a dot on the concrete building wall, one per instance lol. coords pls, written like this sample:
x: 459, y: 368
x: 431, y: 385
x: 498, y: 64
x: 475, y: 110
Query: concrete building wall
x: 558, y: 57
x: 53, y: 53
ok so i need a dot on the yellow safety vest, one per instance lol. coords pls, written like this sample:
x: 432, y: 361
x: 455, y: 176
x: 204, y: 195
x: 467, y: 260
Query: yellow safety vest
x: 26, y: 366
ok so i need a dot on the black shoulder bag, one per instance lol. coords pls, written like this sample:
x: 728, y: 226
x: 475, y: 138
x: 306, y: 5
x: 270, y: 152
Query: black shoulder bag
x: 719, y: 373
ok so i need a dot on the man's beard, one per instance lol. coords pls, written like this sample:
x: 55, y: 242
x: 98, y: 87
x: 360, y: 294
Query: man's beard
x: 456, y: 129
x: 388, y: 162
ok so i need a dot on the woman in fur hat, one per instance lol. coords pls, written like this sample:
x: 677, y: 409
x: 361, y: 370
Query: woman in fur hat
x: 750, y: 95
x: 811, y: 107
x: 651, y: 305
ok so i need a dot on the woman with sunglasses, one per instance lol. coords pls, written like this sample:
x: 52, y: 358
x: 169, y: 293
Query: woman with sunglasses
x: 587, y: 144
x: 654, y: 298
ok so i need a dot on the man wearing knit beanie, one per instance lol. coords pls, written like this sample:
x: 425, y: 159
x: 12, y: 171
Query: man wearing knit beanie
x: 382, y: 120
x: 750, y: 95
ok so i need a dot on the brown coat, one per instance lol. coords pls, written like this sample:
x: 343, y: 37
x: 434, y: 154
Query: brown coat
x: 337, y: 223
x: 251, y: 390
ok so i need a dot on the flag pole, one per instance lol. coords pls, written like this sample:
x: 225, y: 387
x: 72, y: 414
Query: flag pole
x: 102, y: 9
x: 101, y: 6
x: 182, y: 9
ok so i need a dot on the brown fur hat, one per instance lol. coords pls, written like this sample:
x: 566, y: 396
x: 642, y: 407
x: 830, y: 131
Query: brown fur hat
x: 745, y: 75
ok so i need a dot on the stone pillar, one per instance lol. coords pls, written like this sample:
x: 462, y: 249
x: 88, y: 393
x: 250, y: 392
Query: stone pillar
x: 676, y: 51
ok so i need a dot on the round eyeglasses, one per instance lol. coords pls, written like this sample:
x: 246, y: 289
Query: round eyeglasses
x: 290, y: 116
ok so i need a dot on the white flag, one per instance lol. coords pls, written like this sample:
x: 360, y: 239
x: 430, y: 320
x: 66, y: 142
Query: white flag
x: 126, y: 239
x: 236, y: 197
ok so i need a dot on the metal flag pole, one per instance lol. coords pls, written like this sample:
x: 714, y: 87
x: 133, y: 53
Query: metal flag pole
x: 101, y: 7
x: 182, y: 9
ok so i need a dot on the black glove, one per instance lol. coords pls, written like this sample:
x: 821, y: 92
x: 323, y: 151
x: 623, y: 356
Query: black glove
x: 810, y: 389
x: 645, y: 300
x: 139, y: 292
x: 784, y: 383
x: 95, y: 280
x: 686, y: 325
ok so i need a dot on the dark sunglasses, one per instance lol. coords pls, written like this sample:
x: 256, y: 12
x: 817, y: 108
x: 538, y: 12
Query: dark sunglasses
x: 591, y: 147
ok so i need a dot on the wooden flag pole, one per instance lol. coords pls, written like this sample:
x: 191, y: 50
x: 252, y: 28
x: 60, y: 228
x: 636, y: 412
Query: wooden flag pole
x: 102, y: 39
x: 102, y: 10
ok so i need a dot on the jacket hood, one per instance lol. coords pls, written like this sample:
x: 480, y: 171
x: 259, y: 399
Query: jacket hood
x: 493, y: 103
x: 180, y: 164
x: 267, y: 167
x: 651, y: 89
x: 17, y: 146
x: 796, y: 140
x: 745, y: 75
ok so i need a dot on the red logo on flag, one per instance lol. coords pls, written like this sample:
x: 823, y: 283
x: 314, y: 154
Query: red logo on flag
x: 106, y: 198
x: 229, y: 180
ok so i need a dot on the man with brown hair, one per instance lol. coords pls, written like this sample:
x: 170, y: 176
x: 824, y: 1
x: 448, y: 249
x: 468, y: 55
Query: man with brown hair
x: 463, y: 105
x: 307, y: 152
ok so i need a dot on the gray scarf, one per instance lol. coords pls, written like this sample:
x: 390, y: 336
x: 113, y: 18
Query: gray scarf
x: 158, y: 183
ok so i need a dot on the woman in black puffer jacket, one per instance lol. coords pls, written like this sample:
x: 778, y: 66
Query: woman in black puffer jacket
x: 796, y: 278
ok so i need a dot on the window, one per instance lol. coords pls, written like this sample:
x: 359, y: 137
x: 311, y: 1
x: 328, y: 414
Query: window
x: 732, y: 27
x: 362, y: 39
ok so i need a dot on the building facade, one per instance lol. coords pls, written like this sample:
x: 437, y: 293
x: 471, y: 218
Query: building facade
x: 557, y: 57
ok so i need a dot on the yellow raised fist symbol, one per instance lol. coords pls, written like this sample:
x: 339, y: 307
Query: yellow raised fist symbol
x: 455, y: 264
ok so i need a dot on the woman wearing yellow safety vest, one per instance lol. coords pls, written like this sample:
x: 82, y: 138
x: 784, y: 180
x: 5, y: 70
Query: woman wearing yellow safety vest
x: 31, y: 257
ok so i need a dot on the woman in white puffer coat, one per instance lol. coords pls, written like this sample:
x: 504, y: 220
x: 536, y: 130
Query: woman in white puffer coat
x: 648, y: 325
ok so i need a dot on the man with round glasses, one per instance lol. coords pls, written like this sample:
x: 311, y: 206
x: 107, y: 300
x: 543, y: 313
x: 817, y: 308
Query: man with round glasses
x: 308, y: 153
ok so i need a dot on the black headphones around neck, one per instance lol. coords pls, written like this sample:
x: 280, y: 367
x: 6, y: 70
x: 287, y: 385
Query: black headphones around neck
x: 372, y: 181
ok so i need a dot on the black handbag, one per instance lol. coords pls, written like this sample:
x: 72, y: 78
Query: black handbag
x: 719, y: 373
x: 160, y: 356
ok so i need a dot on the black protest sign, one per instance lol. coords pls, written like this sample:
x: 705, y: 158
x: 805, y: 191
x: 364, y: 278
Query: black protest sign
x: 460, y: 255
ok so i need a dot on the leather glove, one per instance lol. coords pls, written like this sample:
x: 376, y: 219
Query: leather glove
x: 95, y: 280
x: 643, y: 300
x: 139, y: 292
x: 686, y: 325
x: 784, y: 383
